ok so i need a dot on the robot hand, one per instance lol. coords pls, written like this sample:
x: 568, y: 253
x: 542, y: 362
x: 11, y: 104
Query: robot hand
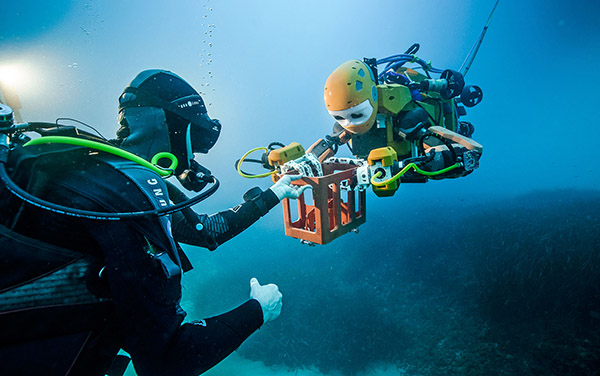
x: 269, y: 298
x: 441, y: 157
x: 306, y: 165
x: 284, y: 189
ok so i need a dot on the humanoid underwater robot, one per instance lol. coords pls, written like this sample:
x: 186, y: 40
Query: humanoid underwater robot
x: 401, y: 126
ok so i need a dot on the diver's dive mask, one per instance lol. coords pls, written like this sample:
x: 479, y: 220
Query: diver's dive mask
x: 204, y: 133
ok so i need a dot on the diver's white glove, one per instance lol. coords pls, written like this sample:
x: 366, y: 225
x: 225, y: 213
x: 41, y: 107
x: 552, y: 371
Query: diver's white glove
x: 269, y: 298
x: 284, y: 189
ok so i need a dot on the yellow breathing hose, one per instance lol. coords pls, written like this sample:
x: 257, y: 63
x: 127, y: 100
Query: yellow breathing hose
x: 239, y: 165
x: 405, y: 169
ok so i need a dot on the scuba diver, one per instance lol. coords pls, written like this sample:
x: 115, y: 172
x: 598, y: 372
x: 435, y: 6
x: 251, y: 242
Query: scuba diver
x: 89, y: 234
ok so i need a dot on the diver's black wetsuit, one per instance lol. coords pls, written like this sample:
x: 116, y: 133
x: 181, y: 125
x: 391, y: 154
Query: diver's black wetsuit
x: 140, y: 279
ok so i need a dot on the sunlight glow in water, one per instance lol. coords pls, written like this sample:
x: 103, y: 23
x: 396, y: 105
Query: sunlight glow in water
x: 14, y: 75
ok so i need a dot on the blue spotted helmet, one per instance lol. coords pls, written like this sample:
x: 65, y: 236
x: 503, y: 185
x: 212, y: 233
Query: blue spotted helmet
x: 351, y: 96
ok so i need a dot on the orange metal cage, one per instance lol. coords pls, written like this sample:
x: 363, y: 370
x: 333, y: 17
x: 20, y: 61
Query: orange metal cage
x: 329, y: 216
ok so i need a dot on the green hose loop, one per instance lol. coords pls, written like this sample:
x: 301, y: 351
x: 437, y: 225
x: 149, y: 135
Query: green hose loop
x: 405, y: 169
x: 111, y: 150
x: 169, y: 156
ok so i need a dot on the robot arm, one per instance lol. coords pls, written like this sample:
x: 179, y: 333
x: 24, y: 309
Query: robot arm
x: 451, y: 149
x: 326, y: 147
x: 465, y: 142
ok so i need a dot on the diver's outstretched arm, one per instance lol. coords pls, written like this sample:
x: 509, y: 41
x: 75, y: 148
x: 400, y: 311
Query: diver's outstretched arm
x: 210, y: 231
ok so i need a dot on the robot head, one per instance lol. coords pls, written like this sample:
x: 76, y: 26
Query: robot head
x: 351, y: 96
x: 159, y: 111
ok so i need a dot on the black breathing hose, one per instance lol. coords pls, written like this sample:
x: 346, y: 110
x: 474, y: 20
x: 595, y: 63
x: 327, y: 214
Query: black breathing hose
x: 35, y: 201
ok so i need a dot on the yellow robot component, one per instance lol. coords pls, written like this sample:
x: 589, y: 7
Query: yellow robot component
x: 278, y: 157
x: 382, y: 159
x: 393, y: 98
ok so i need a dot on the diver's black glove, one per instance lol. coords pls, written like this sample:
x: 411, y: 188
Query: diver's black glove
x: 196, y: 177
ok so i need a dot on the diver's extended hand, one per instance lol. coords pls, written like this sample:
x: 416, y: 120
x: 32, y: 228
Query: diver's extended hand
x: 284, y: 189
x: 269, y: 298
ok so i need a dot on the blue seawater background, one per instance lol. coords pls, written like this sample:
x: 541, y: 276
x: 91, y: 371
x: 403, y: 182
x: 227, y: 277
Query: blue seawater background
x: 495, y: 273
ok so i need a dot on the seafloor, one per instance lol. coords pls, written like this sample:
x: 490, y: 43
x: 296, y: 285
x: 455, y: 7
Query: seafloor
x: 506, y: 288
